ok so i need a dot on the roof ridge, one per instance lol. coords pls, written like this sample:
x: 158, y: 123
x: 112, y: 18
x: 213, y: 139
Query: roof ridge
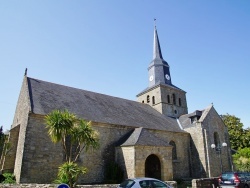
x: 139, y: 130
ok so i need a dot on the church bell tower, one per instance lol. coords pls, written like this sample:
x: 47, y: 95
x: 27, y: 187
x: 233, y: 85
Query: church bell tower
x: 161, y: 94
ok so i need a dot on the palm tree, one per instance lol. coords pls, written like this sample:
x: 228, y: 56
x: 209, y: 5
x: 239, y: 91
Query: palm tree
x: 75, y: 135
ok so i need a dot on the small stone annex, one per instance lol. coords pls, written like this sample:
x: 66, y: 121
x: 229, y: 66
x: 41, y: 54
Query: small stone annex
x: 154, y: 136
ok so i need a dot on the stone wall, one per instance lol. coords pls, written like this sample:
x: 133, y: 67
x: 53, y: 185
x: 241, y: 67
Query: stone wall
x: 213, y: 123
x: 163, y: 153
x: 205, y: 183
x: 133, y: 158
x: 20, y: 119
x: 41, y: 157
x: 126, y: 158
x: 181, y: 166
x: 197, y: 152
x: 96, y: 161
x: 207, y: 160
x: 162, y: 105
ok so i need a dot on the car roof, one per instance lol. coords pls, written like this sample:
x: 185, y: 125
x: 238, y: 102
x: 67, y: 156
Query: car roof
x: 230, y: 172
x: 143, y: 178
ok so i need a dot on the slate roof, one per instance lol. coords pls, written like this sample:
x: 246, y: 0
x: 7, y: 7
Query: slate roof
x: 46, y: 97
x: 143, y: 137
x: 156, y: 85
x: 157, y: 48
x: 185, y: 120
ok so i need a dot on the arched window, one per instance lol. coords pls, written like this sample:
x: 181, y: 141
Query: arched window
x: 142, y: 101
x: 174, y: 99
x: 153, y: 99
x: 168, y: 99
x: 179, y: 101
x: 148, y: 99
x: 216, y: 140
x: 174, y: 154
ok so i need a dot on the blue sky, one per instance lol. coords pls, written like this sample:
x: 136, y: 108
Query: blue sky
x: 106, y: 47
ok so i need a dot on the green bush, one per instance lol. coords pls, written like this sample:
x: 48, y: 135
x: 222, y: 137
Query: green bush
x: 242, y: 159
x: 9, y: 178
x: 68, y: 173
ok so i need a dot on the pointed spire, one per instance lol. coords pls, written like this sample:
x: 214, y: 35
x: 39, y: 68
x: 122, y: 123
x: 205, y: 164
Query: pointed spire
x: 157, y: 47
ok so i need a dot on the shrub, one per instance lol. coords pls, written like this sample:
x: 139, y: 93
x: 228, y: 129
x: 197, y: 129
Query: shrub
x: 68, y: 173
x: 9, y: 178
x: 242, y: 159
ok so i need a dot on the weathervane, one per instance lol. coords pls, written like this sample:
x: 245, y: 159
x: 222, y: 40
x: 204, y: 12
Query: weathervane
x: 25, y: 73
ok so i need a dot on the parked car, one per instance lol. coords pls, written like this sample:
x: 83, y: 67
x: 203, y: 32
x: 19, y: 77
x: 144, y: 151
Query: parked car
x: 143, y: 183
x: 234, y: 180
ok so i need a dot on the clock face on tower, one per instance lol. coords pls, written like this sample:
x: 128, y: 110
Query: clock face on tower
x: 151, y: 78
x: 167, y: 77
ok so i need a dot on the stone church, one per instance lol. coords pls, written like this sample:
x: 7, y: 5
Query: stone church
x: 154, y: 136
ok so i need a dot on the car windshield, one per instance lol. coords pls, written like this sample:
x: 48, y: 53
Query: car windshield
x: 227, y: 176
x: 127, y: 183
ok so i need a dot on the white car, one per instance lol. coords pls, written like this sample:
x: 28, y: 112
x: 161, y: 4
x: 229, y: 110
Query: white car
x: 143, y: 183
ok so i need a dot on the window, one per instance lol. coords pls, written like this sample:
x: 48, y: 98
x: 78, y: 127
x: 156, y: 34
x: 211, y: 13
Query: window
x: 153, y: 99
x: 168, y: 99
x: 145, y: 184
x: 179, y: 101
x: 193, y: 119
x: 157, y: 184
x: 174, y: 154
x: 127, y: 183
x: 216, y: 140
x: 174, y: 99
x: 148, y: 100
x: 142, y: 101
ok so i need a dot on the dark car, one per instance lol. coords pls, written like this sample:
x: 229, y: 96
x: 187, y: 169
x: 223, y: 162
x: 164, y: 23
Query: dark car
x: 234, y: 179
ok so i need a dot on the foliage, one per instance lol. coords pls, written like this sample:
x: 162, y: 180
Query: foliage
x: 72, y: 132
x: 2, y: 139
x: 114, y: 173
x: 76, y: 135
x: 69, y: 172
x: 9, y: 178
x: 242, y: 159
x: 239, y: 137
x: 5, y: 146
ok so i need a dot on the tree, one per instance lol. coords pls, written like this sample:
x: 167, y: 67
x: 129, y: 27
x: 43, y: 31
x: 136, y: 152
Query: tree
x: 242, y: 159
x: 76, y: 135
x: 238, y: 136
x: 2, y: 140
x: 3, y: 144
x: 239, y: 140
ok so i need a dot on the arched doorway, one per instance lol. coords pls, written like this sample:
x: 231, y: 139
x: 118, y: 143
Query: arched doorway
x: 153, y: 167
